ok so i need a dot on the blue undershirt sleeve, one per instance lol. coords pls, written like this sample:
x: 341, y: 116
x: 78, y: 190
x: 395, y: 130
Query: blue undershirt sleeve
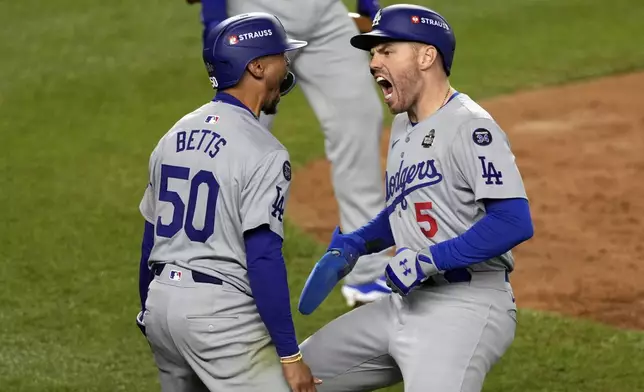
x: 506, y: 224
x: 213, y: 12
x: 377, y: 233
x: 145, y: 274
x: 268, y: 281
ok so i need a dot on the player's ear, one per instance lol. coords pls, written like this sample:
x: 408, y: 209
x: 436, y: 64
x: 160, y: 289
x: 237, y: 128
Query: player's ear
x: 427, y: 55
x: 256, y: 68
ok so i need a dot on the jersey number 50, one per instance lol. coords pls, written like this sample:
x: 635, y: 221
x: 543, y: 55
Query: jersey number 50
x: 181, y: 220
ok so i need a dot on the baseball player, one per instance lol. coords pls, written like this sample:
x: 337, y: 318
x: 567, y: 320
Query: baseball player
x: 217, y: 313
x: 335, y: 79
x: 455, y: 207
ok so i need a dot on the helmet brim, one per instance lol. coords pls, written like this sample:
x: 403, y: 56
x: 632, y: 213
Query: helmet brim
x: 293, y: 44
x: 368, y: 41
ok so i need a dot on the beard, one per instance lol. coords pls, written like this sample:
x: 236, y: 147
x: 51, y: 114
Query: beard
x: 405, y: 91
x: 270, y: 107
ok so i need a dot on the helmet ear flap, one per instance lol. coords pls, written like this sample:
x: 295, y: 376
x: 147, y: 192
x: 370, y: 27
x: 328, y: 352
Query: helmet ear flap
x: 288, y: 83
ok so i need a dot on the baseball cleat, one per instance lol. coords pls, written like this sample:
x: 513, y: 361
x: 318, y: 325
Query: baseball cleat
x: 356, y: 295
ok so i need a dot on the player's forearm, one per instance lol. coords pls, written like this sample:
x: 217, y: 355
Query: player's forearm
x: 145, y: 275
x: 213, y: 11
x: 268, y: 281
x: 506, y: 224
x: 377, y: 233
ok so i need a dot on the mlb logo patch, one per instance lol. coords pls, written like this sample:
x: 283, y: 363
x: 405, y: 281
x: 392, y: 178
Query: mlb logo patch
x: 212, y: 119
x: 415, y: 19
x: 175, y: 275
x: 233, y: 39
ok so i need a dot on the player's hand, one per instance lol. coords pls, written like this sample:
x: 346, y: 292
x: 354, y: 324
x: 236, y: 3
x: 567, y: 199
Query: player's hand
x: 140, y: 323
x: 368, y: 8
x: 408, y: 269
x: 299, y: 377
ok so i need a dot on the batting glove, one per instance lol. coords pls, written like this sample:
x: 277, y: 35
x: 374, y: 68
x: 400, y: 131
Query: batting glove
x: 347, y: 246
x: 368, y: 8
x: 408, y: 269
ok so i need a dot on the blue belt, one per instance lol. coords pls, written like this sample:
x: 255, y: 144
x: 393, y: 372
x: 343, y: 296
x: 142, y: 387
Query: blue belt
x: 460, y: 275
x: 197, y: 276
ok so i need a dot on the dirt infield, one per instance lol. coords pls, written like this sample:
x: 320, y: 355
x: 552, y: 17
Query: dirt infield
x: 580, y: 149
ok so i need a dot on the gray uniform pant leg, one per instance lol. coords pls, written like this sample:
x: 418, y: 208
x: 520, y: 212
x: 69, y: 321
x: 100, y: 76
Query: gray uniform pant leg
x: 444, y: 338
x: 208, y: 337
x: 351, y: 353
x: 449, y: 337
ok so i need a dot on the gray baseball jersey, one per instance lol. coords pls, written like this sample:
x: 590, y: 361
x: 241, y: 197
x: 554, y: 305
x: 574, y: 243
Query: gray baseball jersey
x: 217, y: 173
x: 440, y: 170
x: 440, y: 337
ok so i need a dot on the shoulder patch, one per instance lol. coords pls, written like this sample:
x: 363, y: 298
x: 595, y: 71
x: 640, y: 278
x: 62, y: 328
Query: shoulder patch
x: 286, y: 170
x: 482, y: 137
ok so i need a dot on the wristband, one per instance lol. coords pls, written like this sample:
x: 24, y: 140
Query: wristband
x: 291, y: 359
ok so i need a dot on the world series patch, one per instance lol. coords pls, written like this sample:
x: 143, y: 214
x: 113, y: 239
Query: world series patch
x: 482, y: 137
x: 286, y: 169
x: 428, y: 140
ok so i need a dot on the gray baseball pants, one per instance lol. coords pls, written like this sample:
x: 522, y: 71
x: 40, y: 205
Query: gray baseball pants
x: 442, y: 338
x: 208, y: 337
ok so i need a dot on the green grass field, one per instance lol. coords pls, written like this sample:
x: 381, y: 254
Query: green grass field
x: 86, y: 90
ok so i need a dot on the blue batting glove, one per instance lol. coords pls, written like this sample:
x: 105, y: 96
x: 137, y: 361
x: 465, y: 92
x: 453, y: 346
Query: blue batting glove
x: 337, y: 262
x: 368, y: 8
x: 408, y: 269
x: 348, y: 246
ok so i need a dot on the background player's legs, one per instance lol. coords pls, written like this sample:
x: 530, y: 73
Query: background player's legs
x: 338, y: 85
x: 452, y: 336
x: 335, y: 79
x: 351, y: 352
x: 217, y: 331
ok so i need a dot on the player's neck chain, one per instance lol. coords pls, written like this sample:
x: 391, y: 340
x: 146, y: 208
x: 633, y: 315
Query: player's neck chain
x: 446, y: 97
x: 443, y: 103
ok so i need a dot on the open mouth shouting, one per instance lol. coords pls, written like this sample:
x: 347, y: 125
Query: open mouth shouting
x: 386, y: 86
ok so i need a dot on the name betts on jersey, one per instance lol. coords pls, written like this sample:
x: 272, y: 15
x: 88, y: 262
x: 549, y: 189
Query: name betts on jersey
x: 211, y: 141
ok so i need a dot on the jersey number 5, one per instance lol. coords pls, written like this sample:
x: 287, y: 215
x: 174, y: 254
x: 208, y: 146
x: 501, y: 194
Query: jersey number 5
x: 422, y: 216
x: 181, y: 219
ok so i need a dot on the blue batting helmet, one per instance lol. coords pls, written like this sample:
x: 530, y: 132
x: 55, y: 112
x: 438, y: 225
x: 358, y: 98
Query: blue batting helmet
x: 231, y: 45
x: 411, y: 23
